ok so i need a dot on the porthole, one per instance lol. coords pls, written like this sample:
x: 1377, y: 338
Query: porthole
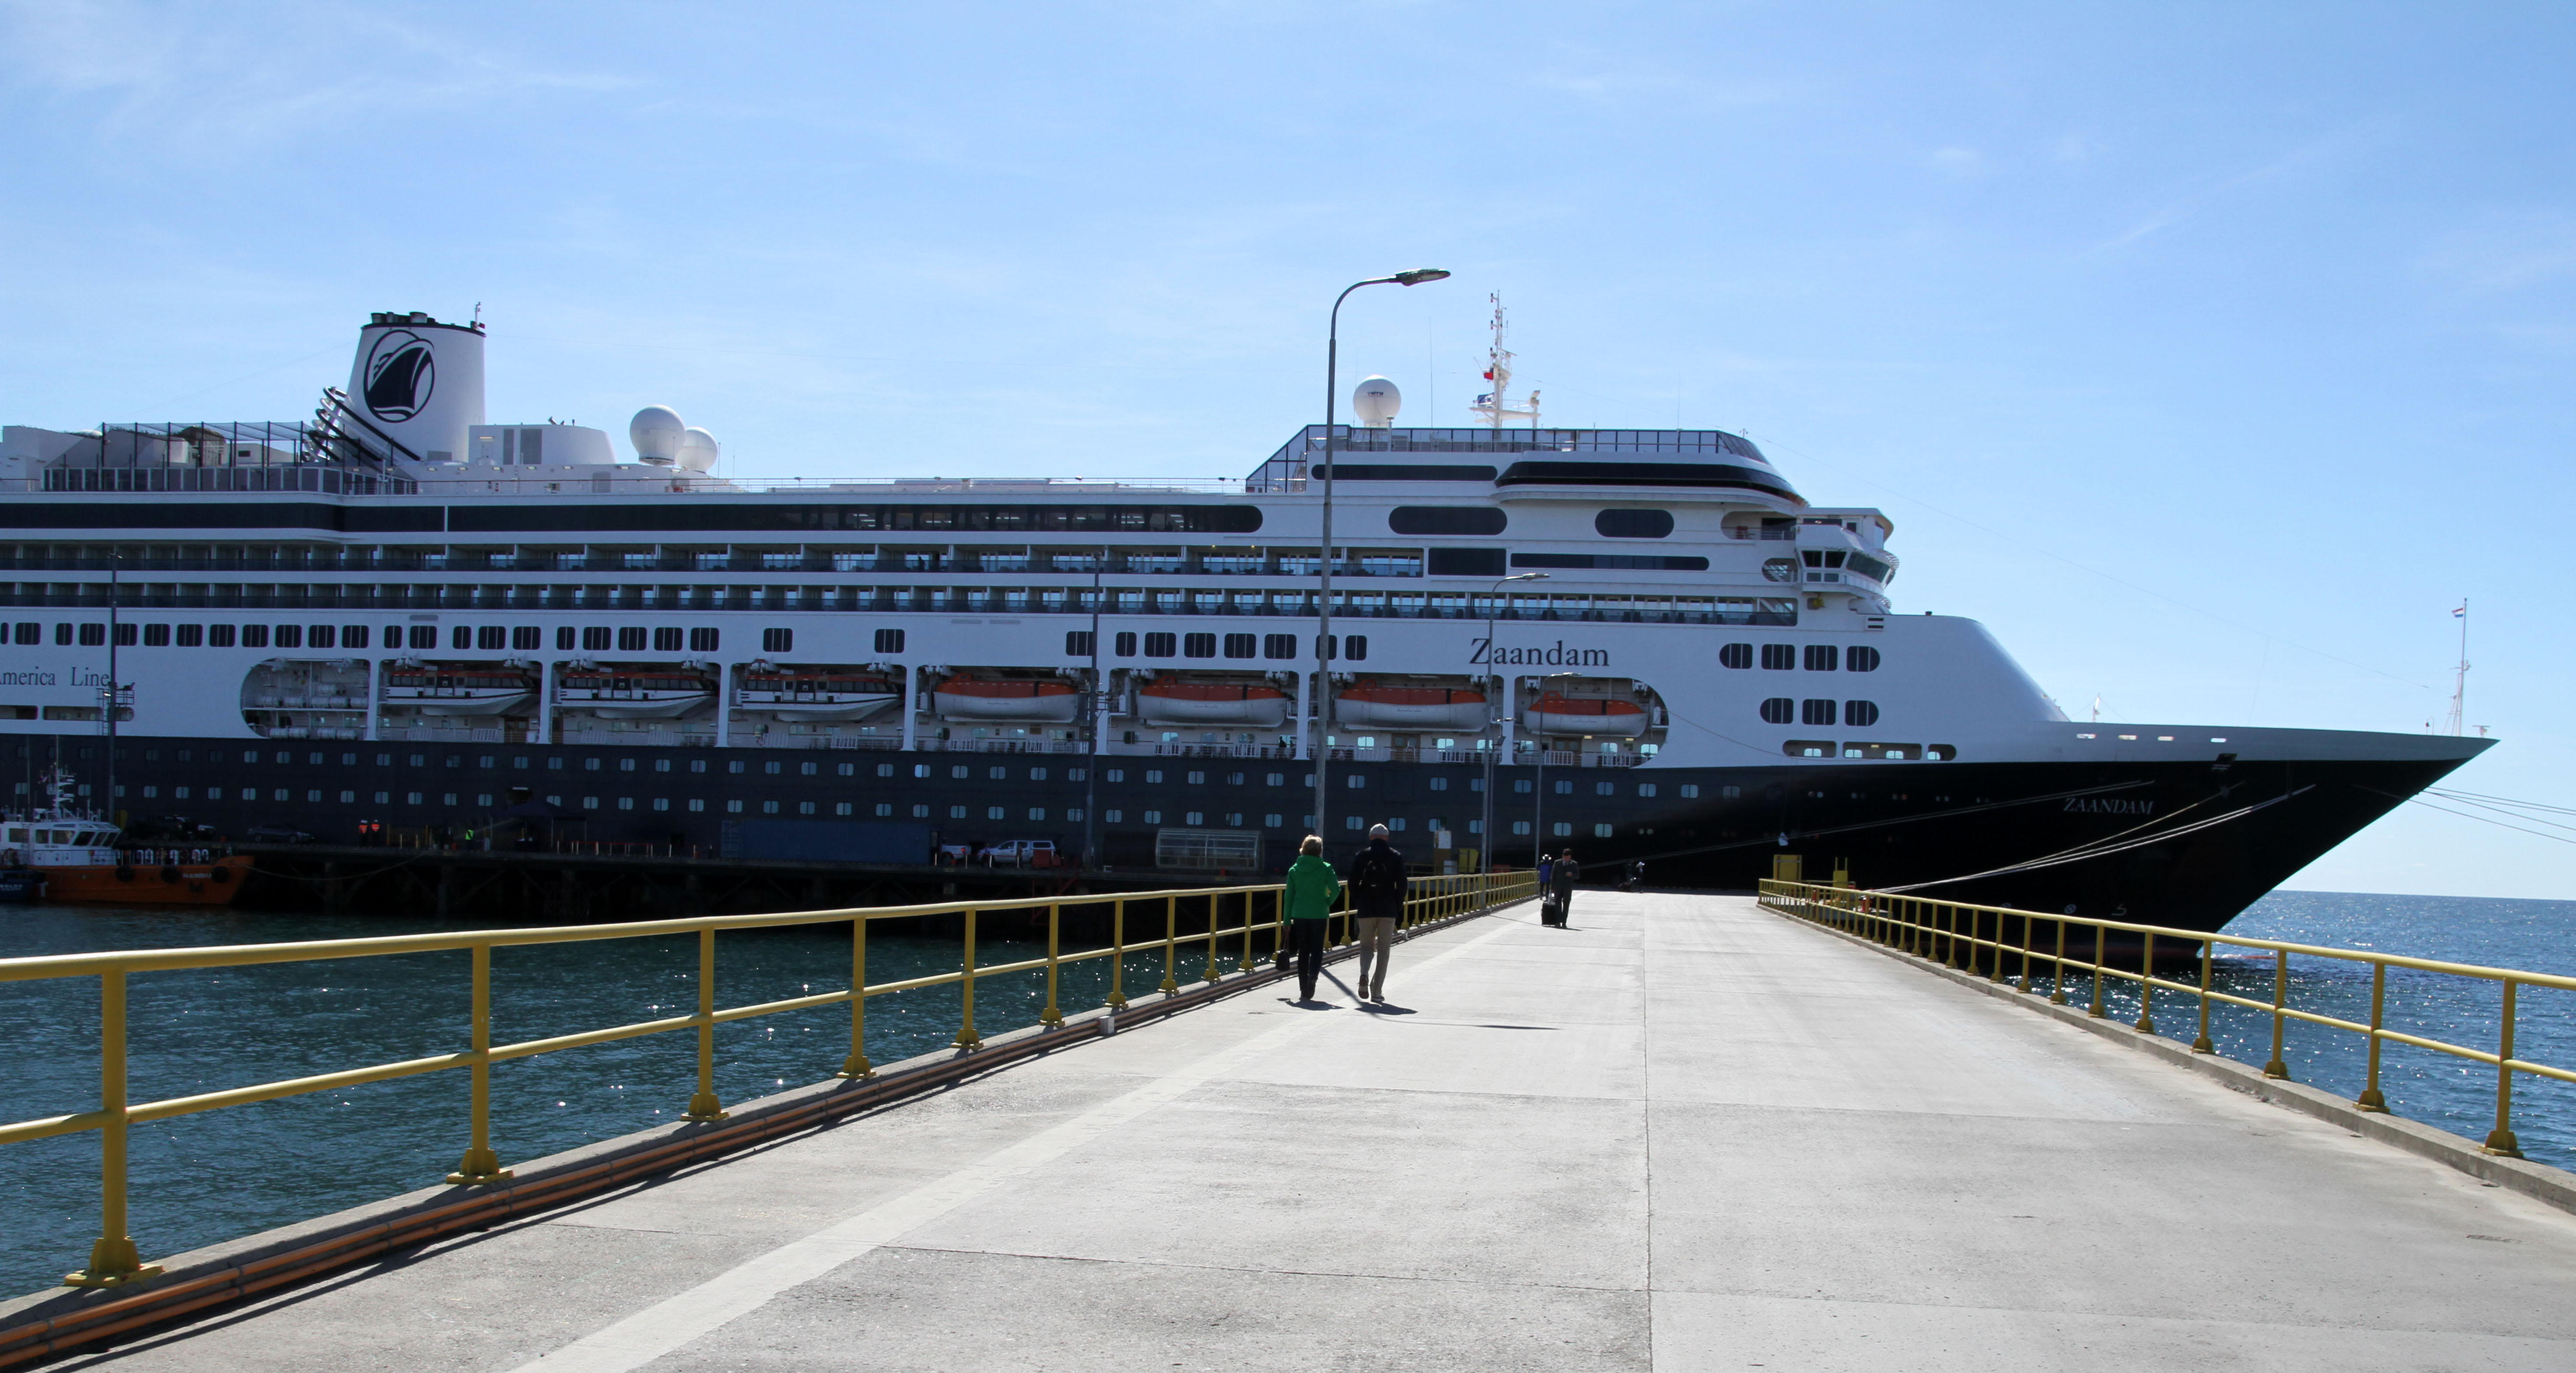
x: 1737, y: 656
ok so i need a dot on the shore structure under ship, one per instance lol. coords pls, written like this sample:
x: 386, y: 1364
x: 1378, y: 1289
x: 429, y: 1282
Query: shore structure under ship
x: 58, y: 851
x: 399, y: 613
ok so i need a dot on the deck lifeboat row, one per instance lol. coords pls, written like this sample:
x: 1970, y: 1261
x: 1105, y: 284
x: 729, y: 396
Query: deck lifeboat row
x: 818, y: 694
x: 982, y: 694
x: 1577, y: 712
x: 1249, y: 702
x: 1410, y: 703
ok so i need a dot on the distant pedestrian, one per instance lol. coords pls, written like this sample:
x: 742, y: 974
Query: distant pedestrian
x: 1378, y: 885
x: 1636, y: 876
x: 1562, y: 877
x: 1312, y: 889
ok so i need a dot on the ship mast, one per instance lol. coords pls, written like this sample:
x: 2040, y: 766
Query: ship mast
x: 2460, y: 675
x: 1492, y: 405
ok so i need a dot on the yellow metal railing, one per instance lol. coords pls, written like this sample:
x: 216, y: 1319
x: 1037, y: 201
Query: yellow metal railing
x: 1228, y: 948
x: 1948, y: 932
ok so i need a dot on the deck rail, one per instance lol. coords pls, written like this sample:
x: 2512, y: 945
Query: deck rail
x: 1235, y: 916
x: 1976, y: 938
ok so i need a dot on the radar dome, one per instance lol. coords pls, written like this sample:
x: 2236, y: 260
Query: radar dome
x: 1375, y: 400
x: 656, y: 432
x: 697, y: 450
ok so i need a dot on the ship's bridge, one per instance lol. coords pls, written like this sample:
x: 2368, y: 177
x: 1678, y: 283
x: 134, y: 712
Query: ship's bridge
x: 1709, y: 462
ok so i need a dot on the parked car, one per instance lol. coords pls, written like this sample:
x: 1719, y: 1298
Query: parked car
x: 276, y: 834
x: 1025, y: 853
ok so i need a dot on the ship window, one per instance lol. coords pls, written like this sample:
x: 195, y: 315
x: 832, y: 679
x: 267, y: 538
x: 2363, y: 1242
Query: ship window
x: 290, y: 636
x: 125, y: 636
x: 492, y: 637
x: 1520, y: 827
x: 1605, y: 789
x: 889, y: 641
x: 1160, y: 645
x: 630, y: 639
x: 1822, y: 657
x: 1198, y: 645
x: 1738, y: 656
x: 1124, y: 644
x: 63, y: 635
x: 1690, y: 791
x: 322, y: 636
x: 1445, y: 519
x: 1521, y: 785
x: 1779, y: 657
x: 1439, y: 784
x: 30, y: 632
x: 422, y: 636
x: 1240, y: 645
x: 1808, y: 748
x: 1779, y: 710
x: 1564, y: 829
x: 1564, y: 788
x: 254, y: 636
x: 219, y: 636
x: 1860, y: 714
x: 594, y: 638
x: 565, y: 637
x: 154, y: 636
x: 703, y: 640
x: 1645, y: 788
x: 1280, y: 646
x: 1872, y: 568
x: 353, y: 636
x: 1355, y: 780
x: 1357, y: 646
x: 1633, y: 524
x: 1467, y: 562
x: 1816, y: 712
x: 462, y: 636
x: 1860, y: 658
x: 666, y: 639
x: 1078, y: 643
x: 92, y: 636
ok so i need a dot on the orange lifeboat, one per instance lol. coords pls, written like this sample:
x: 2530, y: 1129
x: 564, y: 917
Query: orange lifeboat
x: 1554, y: 713
x: 1378, y: 704
x: 1025, y: 699
x: 1170, y: 701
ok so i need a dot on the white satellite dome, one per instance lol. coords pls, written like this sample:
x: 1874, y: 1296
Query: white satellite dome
x: 698, y: 450
x: 1375, y: 400
x: 657, y: 433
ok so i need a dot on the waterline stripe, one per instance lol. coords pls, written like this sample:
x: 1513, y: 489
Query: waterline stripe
x: 665, y: 1326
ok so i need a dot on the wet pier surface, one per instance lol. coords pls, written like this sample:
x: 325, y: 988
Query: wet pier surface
x: 1683, y: 1134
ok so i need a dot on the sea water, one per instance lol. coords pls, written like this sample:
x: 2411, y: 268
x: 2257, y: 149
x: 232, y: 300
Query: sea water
x: 218, y: 1175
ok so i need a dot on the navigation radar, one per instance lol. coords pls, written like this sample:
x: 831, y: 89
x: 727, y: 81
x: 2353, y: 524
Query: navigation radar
x: 697, y: 451
x: 1375, y: 400
x: 657, y: 433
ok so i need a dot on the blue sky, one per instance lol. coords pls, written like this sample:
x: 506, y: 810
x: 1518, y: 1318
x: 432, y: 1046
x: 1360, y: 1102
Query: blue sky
x: 2209, y: 354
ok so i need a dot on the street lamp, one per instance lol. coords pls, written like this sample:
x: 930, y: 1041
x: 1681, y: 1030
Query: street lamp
x: 1493, y: 605
x: 1324, y: 601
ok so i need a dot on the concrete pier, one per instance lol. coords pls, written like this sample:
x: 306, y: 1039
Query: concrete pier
x: 1682, y: 1134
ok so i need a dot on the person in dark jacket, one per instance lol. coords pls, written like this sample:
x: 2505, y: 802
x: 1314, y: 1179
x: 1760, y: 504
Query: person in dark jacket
x: 1563, y: 877
x: 1377, y: 882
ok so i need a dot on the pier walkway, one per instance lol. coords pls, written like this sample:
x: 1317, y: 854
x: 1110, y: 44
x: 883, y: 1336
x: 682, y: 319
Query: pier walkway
x: 1684, y: 1134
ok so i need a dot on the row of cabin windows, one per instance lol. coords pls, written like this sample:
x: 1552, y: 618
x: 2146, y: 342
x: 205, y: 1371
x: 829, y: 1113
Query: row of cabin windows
x: 1081, y: 643
x: 1781, y: 710
x: 487, y: 638
x: 1819, y: 657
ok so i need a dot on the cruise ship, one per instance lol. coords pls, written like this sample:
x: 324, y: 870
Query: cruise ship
x: 1632, y: 644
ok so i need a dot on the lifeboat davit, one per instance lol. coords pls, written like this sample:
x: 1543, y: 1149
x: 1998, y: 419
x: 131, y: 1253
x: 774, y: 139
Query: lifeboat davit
x: 1388, y: 705
x: 1006, y: 698
x: 1170, y: 702
x: 1596, y: 715
x: 817, y: 695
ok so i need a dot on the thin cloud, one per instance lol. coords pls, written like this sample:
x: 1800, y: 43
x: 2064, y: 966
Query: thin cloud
x: 2192, y: 204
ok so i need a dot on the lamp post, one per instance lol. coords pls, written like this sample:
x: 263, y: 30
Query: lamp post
x: 1493, y: 605
x: 1324, y: 601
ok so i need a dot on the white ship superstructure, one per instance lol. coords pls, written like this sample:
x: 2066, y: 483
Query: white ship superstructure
x: 400, y: 612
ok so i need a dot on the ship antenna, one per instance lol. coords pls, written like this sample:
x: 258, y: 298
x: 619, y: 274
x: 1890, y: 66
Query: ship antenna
x: 2460, y: 675
x: 1493, y: 406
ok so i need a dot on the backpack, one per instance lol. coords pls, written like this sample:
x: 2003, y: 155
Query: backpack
x: 1381, y: 873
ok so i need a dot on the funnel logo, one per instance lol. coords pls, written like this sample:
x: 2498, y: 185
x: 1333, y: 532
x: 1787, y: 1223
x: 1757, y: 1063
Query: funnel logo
x: 400, y: 374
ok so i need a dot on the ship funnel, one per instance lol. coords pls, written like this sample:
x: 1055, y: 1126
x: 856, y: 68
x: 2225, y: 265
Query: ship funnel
x: 419, y: 382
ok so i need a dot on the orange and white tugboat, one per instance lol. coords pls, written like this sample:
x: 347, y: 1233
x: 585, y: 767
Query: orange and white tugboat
x: 76, y: 857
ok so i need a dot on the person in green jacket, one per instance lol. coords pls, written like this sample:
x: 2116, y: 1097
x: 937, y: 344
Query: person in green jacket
x: 1313, y: 887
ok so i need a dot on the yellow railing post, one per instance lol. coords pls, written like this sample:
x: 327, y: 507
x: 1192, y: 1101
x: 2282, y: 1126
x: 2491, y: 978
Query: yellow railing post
x: 966, y: 1036
x: 113, y: 1260
x: 2280, y: 994
x: 1051, y: 1017
x: 1995, y: 969
x: 2057, y: 974
x: 2101, y: 944
x: 1171, y: 942
x: 1245, y: 965
x: 1211, y: 974
x: 1117, y: 955
x: 2202, y: 1044
x: 704, y: 1106
x: 857, y: 1065
x: 2147, y: 988
x: 2025, y: 952
x: 480, y: 1165
x: 1949, y: 938
x: 2500, y: 1140
x: 2371, y: 1099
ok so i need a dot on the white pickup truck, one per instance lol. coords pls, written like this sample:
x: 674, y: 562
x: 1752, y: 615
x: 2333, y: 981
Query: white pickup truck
x: 1024, y: 853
